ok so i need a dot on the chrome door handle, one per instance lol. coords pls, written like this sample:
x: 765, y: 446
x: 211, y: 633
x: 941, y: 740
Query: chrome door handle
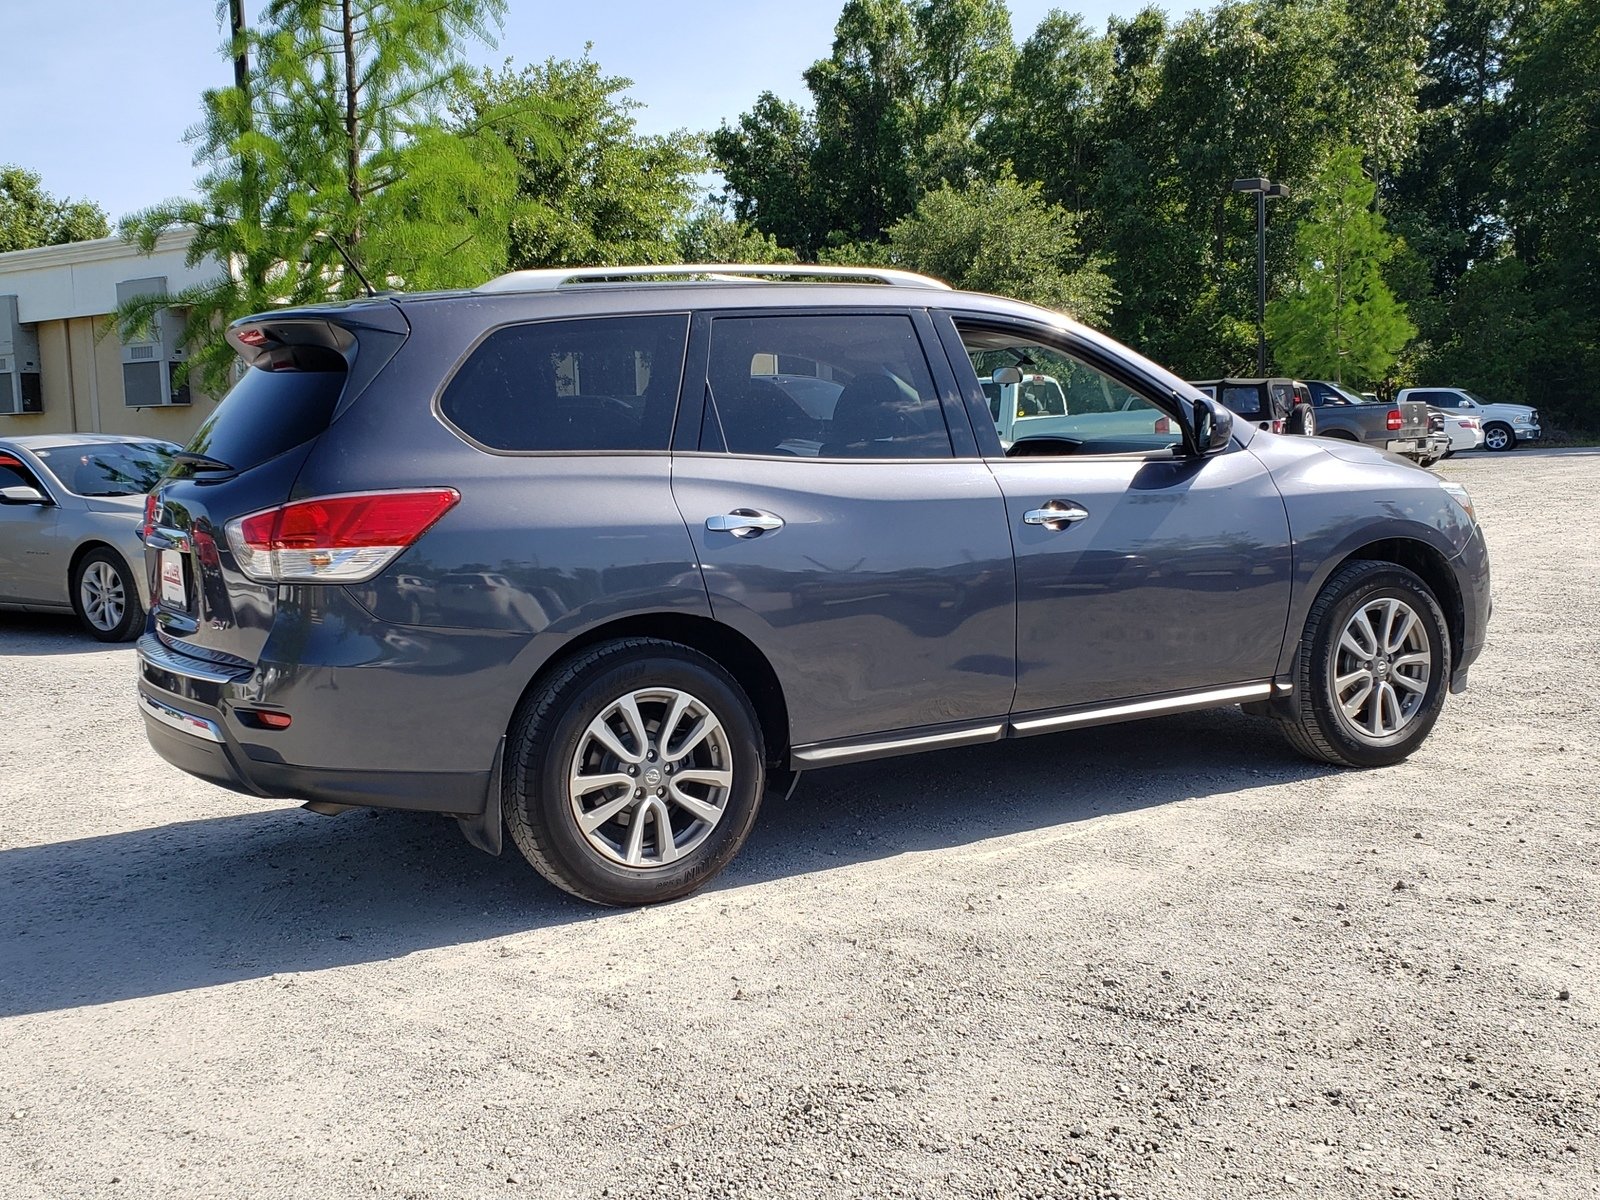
x: 744, y: 522
x: 1058, y: 514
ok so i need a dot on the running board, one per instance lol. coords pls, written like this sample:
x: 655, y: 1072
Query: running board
x: 836, y: 754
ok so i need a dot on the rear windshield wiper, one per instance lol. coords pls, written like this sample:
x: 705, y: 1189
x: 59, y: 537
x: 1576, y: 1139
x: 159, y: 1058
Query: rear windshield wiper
x: 204, y: 462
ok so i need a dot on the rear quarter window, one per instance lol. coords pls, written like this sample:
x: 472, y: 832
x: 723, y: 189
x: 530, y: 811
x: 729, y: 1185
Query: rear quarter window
x: 600, y: 383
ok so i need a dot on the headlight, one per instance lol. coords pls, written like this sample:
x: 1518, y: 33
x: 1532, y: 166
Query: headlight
x: 1459, y: 494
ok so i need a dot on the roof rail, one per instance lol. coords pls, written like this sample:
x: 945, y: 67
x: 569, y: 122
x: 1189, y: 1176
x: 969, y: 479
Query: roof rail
x: 550, y: 278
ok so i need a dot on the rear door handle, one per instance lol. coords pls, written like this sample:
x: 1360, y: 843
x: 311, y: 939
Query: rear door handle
x: 744, y: 523
x: 1057, y: 514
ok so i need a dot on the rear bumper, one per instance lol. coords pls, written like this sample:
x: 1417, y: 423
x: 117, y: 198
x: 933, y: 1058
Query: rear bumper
x: 191, y: 715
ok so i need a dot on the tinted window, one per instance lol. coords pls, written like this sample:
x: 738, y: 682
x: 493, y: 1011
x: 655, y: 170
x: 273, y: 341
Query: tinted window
x: 1246, y: 401
x: 109, y: 468
x: 266, y: 413
x: 610, y: 383
x: 1441, y: 399
x: 883, y: 403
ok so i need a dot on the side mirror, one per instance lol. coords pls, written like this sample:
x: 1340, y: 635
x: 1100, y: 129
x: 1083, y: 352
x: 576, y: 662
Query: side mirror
x: 23, y: 495
x: 1213, y: 426
x: 1006, y: 376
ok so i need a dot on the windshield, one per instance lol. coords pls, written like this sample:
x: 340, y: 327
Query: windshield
x: 109, y: 468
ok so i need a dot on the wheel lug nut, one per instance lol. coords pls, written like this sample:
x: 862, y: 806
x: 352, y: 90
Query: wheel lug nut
x: 661, y: 791
x: 637, y: 792
x: 651, y: 756
x: 633, y: 770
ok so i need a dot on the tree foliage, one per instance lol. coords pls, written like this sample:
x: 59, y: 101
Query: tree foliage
x: 1340, y: 321
x: 336, y: 142
x: 31, y: 216
x: 612, y: 194
x: 1000, y: 237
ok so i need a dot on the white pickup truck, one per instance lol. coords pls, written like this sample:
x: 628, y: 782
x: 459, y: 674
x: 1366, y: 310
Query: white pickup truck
x: 1504, y: 425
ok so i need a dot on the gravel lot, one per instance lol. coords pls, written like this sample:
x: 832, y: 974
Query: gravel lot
x: 1163, y: 960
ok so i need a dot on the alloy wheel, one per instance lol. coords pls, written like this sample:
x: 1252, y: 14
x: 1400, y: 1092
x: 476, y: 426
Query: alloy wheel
x: 1382, y: 663
x: 650, y: 778
x: 102, y: 595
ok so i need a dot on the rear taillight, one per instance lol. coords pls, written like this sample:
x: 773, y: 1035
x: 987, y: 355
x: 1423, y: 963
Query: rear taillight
x: 1395, y: 420
x: 1278, y: 425
x: 335, y: 539
x: 1163, y: 425
x: 152, y: 506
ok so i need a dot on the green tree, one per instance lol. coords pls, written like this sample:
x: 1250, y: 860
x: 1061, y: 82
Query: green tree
x: 612, y: 194
x: 710, y: 235
x: 331, y: 137
x: 767, y: 160
x: 1000, y: 237
x: 1340, y: 321
x: 30, y: 216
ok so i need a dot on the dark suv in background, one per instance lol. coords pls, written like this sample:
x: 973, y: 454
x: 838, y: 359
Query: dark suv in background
x: 1272, y: 405
x: 596, y: 555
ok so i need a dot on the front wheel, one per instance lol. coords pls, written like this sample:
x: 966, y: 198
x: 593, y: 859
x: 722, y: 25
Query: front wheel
x: 1374, y: 667
x: 1499, y: 437
x: 105, y: 596
x: 634, y: 773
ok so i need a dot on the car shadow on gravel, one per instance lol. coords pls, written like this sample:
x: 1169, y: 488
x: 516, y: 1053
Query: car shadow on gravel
x: 37, y: 634
x: 216, y: 901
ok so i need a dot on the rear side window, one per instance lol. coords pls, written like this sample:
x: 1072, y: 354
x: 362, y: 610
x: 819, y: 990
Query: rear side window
x: 268, y: 412
x: 603, y: 383
x: 805, y: 386
x: 1246, y: 401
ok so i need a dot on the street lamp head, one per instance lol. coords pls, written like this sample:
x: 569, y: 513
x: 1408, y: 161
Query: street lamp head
x: 1277, y: 191
x: 1257, y: 184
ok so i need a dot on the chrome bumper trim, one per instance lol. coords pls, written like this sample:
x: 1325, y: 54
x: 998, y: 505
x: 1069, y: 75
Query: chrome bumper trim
x: 178, y: 719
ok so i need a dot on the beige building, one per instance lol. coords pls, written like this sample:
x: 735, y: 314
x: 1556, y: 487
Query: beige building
x: 63, y: 366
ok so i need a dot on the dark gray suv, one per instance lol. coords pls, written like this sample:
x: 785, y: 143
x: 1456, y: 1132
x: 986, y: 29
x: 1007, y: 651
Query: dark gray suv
x: 599, y: 556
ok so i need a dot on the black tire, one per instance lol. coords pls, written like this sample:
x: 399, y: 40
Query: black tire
x: 551, y: 727
x: 1303, y: 420
x: 1449, y: 453
x: 1321, y: 731
x: 1499, y: 431
x: 109, y: 582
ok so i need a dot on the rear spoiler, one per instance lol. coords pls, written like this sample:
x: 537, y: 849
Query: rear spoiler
x: 358, y: 339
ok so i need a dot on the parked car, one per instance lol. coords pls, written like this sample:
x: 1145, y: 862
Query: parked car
x: 1504, y: 425
x: 1400, y: 428
x: 713, y: 610
x: 1274, y: 405
x: 70, y: 506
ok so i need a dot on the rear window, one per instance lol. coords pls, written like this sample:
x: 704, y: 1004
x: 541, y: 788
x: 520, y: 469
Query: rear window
x: 601, y: 383
x: 268, y: 412
x: 108, y: 468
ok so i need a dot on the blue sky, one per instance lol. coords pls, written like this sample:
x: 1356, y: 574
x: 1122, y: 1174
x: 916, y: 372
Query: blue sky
x: 97, y: 93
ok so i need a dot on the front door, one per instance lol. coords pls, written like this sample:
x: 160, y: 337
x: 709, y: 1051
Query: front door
x: 838, y: 529
x: 1140, y: 569
x: 32, y: 566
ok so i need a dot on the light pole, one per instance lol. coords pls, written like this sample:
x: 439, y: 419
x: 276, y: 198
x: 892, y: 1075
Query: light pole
x: 1263, y: 188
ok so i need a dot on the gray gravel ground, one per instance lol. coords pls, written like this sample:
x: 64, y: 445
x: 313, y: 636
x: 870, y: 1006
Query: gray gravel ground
x: 1160, y: 960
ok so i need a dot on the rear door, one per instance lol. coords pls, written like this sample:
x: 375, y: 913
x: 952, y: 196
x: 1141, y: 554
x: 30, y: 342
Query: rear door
x: 858, y: 544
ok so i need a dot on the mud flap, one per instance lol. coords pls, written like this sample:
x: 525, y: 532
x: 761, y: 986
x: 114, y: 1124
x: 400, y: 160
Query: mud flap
x: 486, y: 830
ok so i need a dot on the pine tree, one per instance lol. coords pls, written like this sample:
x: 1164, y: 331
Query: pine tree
x: 332, y: 139
x: 1340, y: 321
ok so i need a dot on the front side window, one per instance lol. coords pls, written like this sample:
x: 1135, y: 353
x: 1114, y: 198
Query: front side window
x: 1045, y: 401
x: 845, y: 386
x: 605, y: 383
x: 15, y: 473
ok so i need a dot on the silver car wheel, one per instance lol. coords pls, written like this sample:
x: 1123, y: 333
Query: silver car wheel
x: 650, y: 778
x: 1497, y: 438
x: 1381, y: 666
x: 102, y: 595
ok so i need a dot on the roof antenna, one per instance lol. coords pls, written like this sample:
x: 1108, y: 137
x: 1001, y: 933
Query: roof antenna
x: 349, y: 262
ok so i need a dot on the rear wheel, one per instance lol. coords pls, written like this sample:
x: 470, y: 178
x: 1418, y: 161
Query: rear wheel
x: 105, y: 597
x: 1303, y: 420
x: 635, y: 773
x: 1374, y: 667
x: 1499, y: 437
